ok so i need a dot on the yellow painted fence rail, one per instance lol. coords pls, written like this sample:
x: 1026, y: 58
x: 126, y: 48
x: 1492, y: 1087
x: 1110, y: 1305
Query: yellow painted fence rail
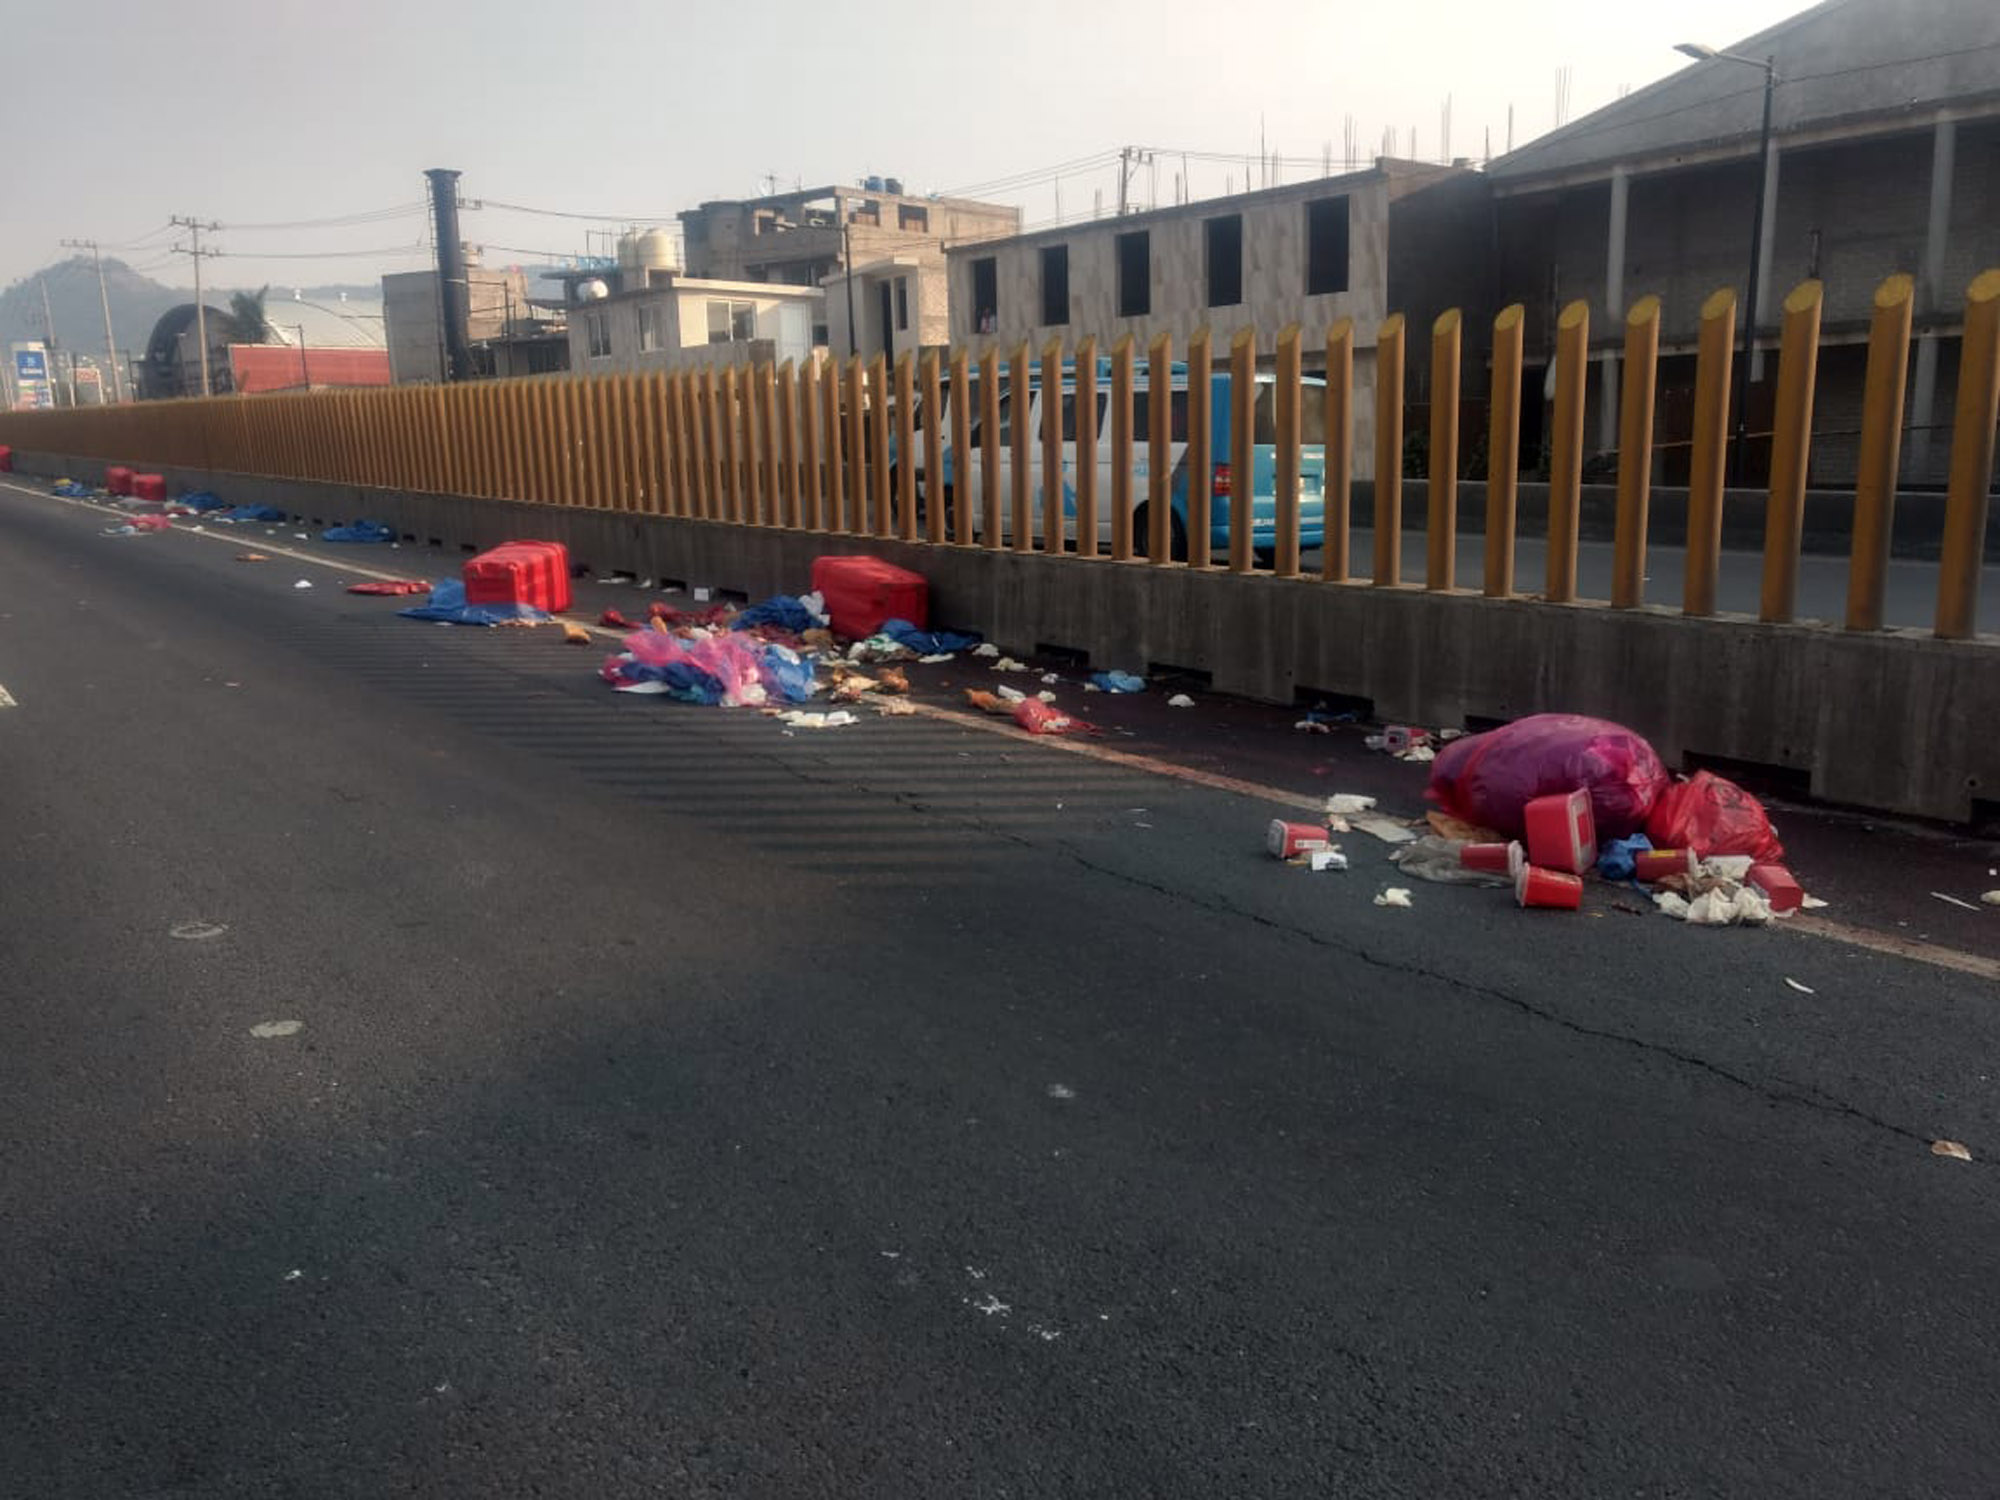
x: 956, y: 448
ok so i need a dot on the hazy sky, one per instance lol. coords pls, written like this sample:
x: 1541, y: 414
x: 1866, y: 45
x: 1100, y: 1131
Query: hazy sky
x: 280, y: 111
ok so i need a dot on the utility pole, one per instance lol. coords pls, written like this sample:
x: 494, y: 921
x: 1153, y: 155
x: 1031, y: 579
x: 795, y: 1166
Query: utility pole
x: 1124, y: 174
x: 49, y: 355
x: 196, y: 229
x: 103, y: 296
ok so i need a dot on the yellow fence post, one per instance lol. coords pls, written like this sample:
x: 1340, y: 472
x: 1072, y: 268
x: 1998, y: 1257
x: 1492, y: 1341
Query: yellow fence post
x: 1159, y: 450
x: 878, y: 445
x: 768, y: 438
x: 1966, y: 497
x: 989, y: 450
x: 1337, y: 485
x: 707, y: 463
x: 958, y: 492
x: 659, y: 443
x: 812, y: 474
x: 1242, y: 449
x: 1290, y: 451
x: 787, y: 412
x: 1710, y: 455
x: 1635, y: 453
x: 1389, y: 452
x: 1200, y: 447
x: 1791, y: 453
x: 680, y: 446
x: 1052, y: 447
x: 1086, y: 448
x: 1503, y: 451
x: 1441, y: 527
x: 934, y: 441
x: 1881, y: 451
x: 833, y: 504
x: 750, y: 425
x: 906, y: 447
x: 1121, y: 450
x: 1020, y: 403
x: 728, y: 397
x: 1566, y: 451
x: 644, y: 494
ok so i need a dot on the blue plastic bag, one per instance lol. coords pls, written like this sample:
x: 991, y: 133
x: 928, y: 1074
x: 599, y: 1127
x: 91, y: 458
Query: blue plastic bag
x: 1117, y: 682
x: 203, y: 501
x: 927, y: 642
x: 360, y: 531
x: 447, y: 602
x: 781, y: 610
x: 254, y: 513
x: 1614, y: 856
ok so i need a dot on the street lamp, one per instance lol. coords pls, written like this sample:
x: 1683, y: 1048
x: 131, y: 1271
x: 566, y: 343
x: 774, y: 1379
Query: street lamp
x: 1703, y: 53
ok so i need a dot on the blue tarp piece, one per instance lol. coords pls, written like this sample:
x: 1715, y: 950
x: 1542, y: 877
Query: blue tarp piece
x: 69, y: 489
x: 253, y: 513
x: 203, y: 501
x: 1118, y: 682
x: 447, y: 602
x: 781, y: 610
x: 927, y: 642
x: 360, y: 531
x: 1614, y: 856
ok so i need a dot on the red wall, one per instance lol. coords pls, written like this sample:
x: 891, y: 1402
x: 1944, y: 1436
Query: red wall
x: 276, y: 367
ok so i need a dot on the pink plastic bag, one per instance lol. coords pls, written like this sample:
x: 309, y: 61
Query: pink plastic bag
x: 1489, y: 778
x: 1712, y: 815
x: 1038, y: 717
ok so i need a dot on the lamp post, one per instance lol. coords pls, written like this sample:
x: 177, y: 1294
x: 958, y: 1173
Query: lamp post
x: 1705, y: 53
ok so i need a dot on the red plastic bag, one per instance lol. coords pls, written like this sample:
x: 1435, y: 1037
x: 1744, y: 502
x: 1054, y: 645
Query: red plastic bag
x: 1489, y: 778
x: 1038, y: 717
x: 1712, y: 815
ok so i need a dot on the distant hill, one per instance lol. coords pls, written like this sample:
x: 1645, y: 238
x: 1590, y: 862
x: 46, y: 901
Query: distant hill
x: 136, y: 305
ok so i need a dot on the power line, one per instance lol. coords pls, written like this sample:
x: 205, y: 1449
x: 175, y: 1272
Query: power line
x: 337, y: 221
x: 556, y: 213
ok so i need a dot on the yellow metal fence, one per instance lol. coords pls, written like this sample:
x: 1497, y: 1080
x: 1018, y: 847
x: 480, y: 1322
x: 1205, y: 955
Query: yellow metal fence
x: 808, y: 447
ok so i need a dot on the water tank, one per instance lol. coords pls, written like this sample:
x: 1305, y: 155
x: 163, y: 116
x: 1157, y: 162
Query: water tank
x: 874, y: 185
x: 593, y: 290
x: 628, y: 250
x: 654, y: 250
x: 893, y: 186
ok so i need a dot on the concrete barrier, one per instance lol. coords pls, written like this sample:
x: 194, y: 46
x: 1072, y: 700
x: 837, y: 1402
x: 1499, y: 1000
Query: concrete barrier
x: 1898, y: 721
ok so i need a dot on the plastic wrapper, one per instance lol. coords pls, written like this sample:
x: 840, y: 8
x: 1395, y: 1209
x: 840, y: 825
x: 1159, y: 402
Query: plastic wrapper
x: 1712, y: 815
x: 1490, y: 778
x: 1434, y: 858
x: 730, y: 670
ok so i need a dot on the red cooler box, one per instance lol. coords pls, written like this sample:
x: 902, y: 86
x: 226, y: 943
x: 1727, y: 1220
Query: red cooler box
x: 862, y: 592
x: 149, y: 487
x: 118, y: 480
x: 531, y: 573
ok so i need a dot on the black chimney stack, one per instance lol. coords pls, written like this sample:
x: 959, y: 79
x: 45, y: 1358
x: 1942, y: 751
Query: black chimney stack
x: 453, y: 294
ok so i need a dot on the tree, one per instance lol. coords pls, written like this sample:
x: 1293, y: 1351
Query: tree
x: 245, y: 322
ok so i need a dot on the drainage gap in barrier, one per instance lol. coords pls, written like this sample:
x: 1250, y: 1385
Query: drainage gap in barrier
x: 1786, y: 783
x: 730, y: 596
x: 409, y: 536
x: 1334, y: 706
x: 673, y: 585
x: 433, y: 542
x: 1480, y: 723
x: 467, y: 547
x: 1985, y: 821
x: 1166, y: 671
x: 1063, y: 656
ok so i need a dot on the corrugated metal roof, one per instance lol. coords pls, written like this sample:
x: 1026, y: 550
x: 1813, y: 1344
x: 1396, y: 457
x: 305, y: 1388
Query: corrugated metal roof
x: 1843, y: 60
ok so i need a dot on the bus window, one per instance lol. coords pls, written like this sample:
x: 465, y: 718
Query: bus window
x: 1069, y: 415
x: 1142, y: 415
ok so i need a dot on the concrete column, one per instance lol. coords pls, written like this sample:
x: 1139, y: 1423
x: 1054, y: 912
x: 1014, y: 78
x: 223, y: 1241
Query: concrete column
x: 1932, y: 298
x: 1768, y: 295
x: 1614, y: 311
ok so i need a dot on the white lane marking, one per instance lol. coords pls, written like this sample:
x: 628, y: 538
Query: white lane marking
x: 7, y: 698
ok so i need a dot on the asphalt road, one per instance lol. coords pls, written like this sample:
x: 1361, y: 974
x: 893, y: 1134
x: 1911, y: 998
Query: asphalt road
x: 678, y: 1107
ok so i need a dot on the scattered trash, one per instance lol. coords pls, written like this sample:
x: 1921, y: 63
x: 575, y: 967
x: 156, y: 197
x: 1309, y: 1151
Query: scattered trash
x: 303, y: 583
x: 781, y: 610
x: 1347, y: 804
x: 1618, y: 859
x: 1010, y: 695
x: 934, y: 658
x: 1419, y: 755
x: 1803, y: 989
x: 448, y: 605
x: 1723, y: 908
x: 1314, y: 726
x: 1037, y: 717
x: 1388, y: 830
x: 1711, y: 815
x: 941, y: 644
x: 1813, y: 903
x: 1671, y: 904
x: 862, y: 594
x: 1491, y: 778
x: 1559, y: 831
x: 575, y: 635
x: 986, y: 702
x: 1776, y: 885
x: 265, y: 513
x: 1952, y: 1149
x: 1555, y: 890
x: 197, y: 932
x: 800, y: 719
x: 1180, y: 700
x: 300, y: 536
x: 251, y: 557
x: 360, y: 531
x: 1953, y: 900
x: 1118, y: 682
x: 894, y: 707
x: 701, y: 596
x: 877, y: 648
x: 1061, y: 1091
x: 268, y: 1029
x: 892, y: 681
x: 986, y: 648
x: 615, y: 620
x: 535, y: 574
x: 153, y: 523
x: 1443, y: 861
x: 1991, y: 898
x: 1286, y: 840
x: 1654, y: 865
x: 1045, y: 696
x: 1320, y: 860
x: 1008, y: 664
x: 391, y: 587
x: 1490, y: 858
x: 714, y: 668
x: 1395, y: 895
x: 1050, y: 679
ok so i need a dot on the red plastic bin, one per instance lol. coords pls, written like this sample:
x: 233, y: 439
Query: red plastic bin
x: 862, y: 592
x: 1562, y: 834
x: 531, y: 573
x: 118, y: 480
x: 6, y: 459
x: 149, y: 487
